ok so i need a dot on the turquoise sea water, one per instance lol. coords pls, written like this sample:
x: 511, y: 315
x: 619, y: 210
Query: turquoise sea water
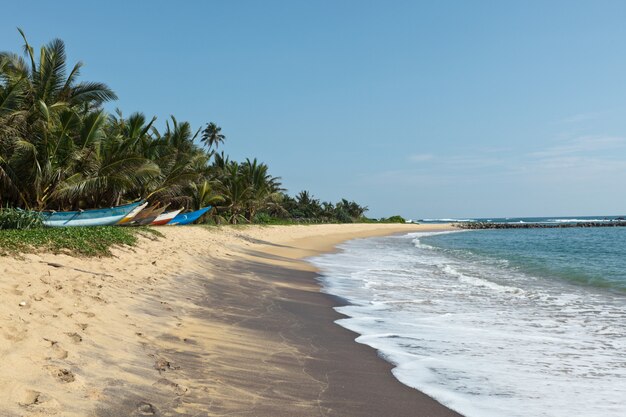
x: 492, y: 323
x: 585, y: 256
x: 542, y: 220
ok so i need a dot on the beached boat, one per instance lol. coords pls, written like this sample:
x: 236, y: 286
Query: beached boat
x: 147, y: 216
x: 130, y: 216
x: 188, y: 218
x: 96, y: 217
x: 165, y: 218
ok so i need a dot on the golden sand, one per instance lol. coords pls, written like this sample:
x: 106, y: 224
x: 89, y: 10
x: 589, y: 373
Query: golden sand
x: 77, y: 334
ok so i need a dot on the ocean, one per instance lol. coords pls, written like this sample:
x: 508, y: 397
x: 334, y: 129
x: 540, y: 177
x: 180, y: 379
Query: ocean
x: 492, y: 323
x: 540, y: 220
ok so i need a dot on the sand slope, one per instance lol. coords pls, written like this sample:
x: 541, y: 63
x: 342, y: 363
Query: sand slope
x: 175, y: 326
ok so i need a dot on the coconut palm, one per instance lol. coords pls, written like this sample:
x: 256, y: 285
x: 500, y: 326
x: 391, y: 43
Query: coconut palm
x: 261, y: 186
x: 212, y: 136
x: 60, y: 150
x: 204, y: 194
x: 236, y: 190
x: 105, y: 171
x: 43, y: 108
x: 308, y: 206
x: 350, y: 209
x: 181, y: 162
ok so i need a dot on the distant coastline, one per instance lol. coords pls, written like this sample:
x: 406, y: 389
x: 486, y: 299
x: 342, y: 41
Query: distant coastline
x: 530, y: 222
x: 530, y: 225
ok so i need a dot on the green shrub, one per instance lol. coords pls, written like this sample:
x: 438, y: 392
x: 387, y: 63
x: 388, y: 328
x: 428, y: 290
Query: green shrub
x: 343, y: 216
x: 11, y: 218
x: 367, y: 220
x: 394, y: 219
x: 262, y: 218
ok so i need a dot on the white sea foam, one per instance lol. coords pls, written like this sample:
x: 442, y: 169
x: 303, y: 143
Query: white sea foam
x: 448, y: 220
x: 579, y: 220
x: 481, y: 338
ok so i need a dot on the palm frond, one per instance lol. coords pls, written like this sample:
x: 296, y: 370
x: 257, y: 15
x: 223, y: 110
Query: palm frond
x: 29, y: 51
x: 92, y: 128
x: 91, y: 92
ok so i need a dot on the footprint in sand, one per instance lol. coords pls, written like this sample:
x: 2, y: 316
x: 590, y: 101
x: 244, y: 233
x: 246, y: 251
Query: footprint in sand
x: 62, y: 374
x: 15, y: 334
x: 57, y: 352
x: 162, y: 365
x: 76, y: 338
x: 34, y: 400
x: 146, y: 409
x: 29, y: 397
x: 65, y: 375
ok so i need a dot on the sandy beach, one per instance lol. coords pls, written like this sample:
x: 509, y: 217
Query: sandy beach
x: 201, y: 322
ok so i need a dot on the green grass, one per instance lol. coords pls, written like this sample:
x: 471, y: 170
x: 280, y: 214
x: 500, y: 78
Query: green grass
x: 11, y: 218
x: 77, y: 241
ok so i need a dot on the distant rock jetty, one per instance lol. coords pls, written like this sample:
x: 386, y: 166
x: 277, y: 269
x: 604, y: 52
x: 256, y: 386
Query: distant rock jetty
x: 491, y: 225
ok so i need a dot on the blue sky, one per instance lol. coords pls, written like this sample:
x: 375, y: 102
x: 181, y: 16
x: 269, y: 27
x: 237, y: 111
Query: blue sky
x: 426, y: 109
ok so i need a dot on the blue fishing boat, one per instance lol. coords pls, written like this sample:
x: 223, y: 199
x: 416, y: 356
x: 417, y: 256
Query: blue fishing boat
x: 188, y: 218
x: 96, y: 217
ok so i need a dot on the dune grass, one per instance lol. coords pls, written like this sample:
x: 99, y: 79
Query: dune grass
x: 76, y: 241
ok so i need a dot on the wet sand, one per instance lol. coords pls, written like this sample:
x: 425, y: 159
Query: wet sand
x: 206, y: 322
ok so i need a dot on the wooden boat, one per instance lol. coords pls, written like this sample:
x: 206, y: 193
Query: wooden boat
x: 165, y: 218
x: 188, y: 218
x: 130, y: 216
x: 96, y: 217
x: 146, y: 212
x: 149, y: 217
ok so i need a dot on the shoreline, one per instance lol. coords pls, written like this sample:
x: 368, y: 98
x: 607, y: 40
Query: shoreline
x: 212, y: 321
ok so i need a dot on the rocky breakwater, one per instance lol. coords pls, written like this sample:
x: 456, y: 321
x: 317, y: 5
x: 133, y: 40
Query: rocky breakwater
x: 491, y: 225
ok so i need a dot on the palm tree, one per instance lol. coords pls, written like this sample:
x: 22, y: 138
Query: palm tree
x: 236, y: 191
x: 350, y: 209
x: 60, y: 150
x: 181, y: 163
x: 262, y: 186
x: 103, y: 172
x: 327, y: 212
x: 42, y: 111
x: 12, y: 119
x: 204, y: 194
x: 308, y: 206
x: 355, y: 210
x: 212, y: 136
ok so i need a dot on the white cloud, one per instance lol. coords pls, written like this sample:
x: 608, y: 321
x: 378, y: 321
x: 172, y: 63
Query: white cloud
x: 580, y: 160
x: 577, y: 118
x: 583, y: 144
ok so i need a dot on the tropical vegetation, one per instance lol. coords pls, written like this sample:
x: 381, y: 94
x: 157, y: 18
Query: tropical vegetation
x: 61, y: 150
x: 86, y: 241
